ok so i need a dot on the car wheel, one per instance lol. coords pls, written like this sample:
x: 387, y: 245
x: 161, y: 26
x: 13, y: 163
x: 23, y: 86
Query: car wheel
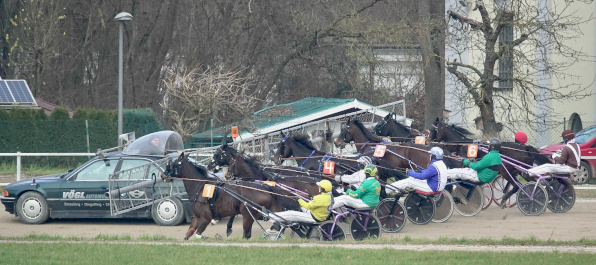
x: 168, y: 212
x: 32, y: 208
x: 583, y: 174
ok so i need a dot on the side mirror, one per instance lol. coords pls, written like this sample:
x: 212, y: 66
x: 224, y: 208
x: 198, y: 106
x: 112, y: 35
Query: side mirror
x: 107, y: 162
x: 69, y: 170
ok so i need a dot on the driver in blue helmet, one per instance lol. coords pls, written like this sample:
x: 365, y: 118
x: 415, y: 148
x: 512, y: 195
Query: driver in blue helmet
x: 432, y: 179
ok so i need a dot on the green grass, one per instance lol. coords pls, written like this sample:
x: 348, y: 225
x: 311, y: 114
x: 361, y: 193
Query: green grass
x: 86, y: 253
x: 31, y: 169
x: 406, y: 240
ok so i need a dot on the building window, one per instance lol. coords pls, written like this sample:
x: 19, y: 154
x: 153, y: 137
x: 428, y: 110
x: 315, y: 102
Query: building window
x: 506, y: 61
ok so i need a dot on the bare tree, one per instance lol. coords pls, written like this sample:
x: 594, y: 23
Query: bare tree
x: 515, y: 38
x: 194, y: 96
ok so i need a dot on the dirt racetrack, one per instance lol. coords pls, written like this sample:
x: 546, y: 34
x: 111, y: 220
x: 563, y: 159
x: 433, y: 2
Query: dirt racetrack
x: 578, y: 223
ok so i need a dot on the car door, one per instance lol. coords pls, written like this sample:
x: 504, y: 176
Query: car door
x: 83, y: 193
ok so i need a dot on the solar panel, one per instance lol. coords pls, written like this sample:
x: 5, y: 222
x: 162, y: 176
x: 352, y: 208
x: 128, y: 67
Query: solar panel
x: 15, y: 91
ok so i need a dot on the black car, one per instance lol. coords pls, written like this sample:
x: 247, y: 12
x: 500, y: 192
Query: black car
x: 81, y: 193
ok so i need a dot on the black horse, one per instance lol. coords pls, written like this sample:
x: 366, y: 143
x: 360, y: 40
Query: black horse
x: 222, y: 203
x: 307, y: 156
x: 389, y: 127
x: 456, y: 140
x: 398, y: 156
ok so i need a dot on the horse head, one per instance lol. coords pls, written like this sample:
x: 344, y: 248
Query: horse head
x: 174, y: 168
x: 380, y: 127
x: 221, y: 158
x: 282, y: 151
x: 344, y: 135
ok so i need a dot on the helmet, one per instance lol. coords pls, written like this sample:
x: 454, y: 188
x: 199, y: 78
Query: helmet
x: 568, y: 134
x: 521, y: 137
x: 365, y: 160
x: 325, y: 185
x: 436, y: 152
x: 370, y: 170
x: 494, y: 144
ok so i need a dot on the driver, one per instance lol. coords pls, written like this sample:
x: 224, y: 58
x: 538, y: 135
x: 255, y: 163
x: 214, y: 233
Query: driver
x: 484, y: 170
x: 152, y: 148
x: 565, y: 162
x: 432, y: 179
x: 520, y: 138
x: 367, y: 195
x: 317, y: 210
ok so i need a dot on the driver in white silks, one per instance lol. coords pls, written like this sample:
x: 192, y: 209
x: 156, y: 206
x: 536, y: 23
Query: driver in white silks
x: 565, y: 162
x: 357, y: 177
x: 432, y: 179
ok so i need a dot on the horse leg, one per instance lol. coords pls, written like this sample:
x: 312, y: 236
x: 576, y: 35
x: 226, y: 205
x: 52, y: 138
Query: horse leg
x: 247, y: 222
x: 509, y: 194
x: 193, y: 226
x: 202, y: 225
x: 230, y: 222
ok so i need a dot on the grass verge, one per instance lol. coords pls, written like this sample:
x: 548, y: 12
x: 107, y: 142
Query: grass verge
x: 505, y: 241
x: 85, y: 253
x: 31, y: 169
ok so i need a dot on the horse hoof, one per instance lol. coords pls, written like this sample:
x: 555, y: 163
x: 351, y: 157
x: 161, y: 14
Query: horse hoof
x: 214, y: 222
x: 228, y: 232
x: 186, y: 238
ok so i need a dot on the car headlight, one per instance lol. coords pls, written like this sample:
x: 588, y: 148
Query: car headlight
x: 5, y: 193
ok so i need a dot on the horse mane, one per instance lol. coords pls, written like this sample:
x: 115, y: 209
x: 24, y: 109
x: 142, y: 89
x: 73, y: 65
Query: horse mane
x: 304, y: 140
x: 461, y: 129
x: 401, y: 125
x: 202, y: 170
x: 366, y: 132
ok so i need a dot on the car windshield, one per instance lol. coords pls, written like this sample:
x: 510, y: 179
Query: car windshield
x: 585, y: 135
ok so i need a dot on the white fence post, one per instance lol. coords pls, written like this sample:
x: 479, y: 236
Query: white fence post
x: 18, y: 165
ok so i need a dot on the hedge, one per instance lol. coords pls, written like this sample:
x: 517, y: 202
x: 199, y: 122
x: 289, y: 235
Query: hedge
x: 29, y: 132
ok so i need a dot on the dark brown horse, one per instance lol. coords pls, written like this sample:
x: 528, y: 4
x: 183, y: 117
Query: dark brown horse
x: 456, y: 140
x: 398, y: 156
x: 224, y: 204
x: 390, y: 127
x: 247, y: 168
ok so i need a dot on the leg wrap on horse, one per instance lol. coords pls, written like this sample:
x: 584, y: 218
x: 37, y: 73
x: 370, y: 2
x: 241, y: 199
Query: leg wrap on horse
x: 189, y: 233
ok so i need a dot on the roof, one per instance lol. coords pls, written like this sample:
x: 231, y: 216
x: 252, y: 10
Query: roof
x: 284, y: 116
x: 49, y: 107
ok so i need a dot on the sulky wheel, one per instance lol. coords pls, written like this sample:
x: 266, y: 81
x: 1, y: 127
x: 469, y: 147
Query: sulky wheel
x: 328, y: 235
x: 468, y: 200
x: 561, y: 195
x: 443, y: 207
x: 534, y: 205
x: 373, y: 227
x: 391, y: 214
x: 487, y: 195
x: 420, y: 208
x: 500, y: 188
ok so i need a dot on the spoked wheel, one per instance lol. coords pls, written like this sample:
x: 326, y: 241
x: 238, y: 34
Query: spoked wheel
x: 373, y: 227
x: 443, y: 207
x: 391, y: 215
x: 468, y: 201
x: 499, y: 185
x: 487, y: 195
x: 329, y: 235
x: 535, y: 205
x: 310, y: 233
x: 420, y: 208
x: 561, y: 195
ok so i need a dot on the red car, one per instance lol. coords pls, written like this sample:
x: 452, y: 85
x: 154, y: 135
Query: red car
x: 586, y: 139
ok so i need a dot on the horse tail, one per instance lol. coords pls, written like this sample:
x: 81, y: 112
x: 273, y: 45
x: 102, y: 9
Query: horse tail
x: 539, y: 158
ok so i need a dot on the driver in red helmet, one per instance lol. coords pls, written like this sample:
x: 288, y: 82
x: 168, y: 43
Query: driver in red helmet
x: 565, y: 162
x: 520, y: 138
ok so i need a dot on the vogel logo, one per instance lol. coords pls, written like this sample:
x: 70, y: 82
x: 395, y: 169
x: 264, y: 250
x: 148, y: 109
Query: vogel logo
x: 72, y: 194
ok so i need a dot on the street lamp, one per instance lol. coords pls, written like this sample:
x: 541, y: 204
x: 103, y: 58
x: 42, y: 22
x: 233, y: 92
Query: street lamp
x: 122, y: 17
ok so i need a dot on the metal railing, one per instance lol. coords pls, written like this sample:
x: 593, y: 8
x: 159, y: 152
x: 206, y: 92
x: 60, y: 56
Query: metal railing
x: 19, y: 155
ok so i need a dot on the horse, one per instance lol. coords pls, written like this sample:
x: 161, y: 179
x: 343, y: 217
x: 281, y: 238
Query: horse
x: 247, y: 168
x: 456, y: 141
x: 222, y: 204
x: 389, y: 127
x: 398, y: 156
x: 308, y: 157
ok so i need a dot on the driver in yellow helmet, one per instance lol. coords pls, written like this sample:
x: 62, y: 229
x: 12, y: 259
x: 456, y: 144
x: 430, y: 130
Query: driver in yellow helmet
x: 317, y: 210
x: 366, y: 196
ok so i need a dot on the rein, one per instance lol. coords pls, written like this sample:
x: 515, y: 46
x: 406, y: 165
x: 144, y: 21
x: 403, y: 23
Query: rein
x: 241, y: 186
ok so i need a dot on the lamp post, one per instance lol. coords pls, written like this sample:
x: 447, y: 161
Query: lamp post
x: 122, y: 17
